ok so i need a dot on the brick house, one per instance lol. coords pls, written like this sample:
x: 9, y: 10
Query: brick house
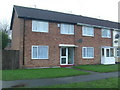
x: 48, y: 38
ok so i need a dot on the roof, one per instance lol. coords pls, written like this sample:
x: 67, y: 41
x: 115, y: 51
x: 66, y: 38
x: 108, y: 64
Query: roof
x: 39, y: 14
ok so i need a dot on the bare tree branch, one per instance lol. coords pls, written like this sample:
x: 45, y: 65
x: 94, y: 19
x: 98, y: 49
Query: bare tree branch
x: 4, y: 26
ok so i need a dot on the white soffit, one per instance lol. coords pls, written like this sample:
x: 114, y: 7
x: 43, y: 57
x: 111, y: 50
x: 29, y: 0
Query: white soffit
x: 95, y: 26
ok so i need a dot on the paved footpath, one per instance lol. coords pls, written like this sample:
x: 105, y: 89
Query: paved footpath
x: 61, y: 80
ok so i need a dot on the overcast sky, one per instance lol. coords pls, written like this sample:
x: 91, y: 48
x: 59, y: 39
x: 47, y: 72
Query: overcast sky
x: 103, y: 9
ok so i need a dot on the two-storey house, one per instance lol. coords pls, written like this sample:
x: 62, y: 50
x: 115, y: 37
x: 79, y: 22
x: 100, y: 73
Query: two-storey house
x: 48, y: 38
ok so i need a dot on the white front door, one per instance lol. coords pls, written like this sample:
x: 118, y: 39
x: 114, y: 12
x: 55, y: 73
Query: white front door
x: 66, y: 55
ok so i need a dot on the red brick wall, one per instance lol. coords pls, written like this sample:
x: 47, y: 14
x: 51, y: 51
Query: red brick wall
x: 15, y: 33
x: 97, y: 41
x: 53, y: 39
x: 17, y: 37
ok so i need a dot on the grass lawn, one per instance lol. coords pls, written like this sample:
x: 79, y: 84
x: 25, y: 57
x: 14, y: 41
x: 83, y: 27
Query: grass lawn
x: 39, y: 73
x: 0, y: 74
x: 99, y: 68
x: 104, y: 83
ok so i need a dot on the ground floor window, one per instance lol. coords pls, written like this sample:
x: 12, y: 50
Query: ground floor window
x: 118, y: 52
x: 88, y: 52
x: 39, y: 52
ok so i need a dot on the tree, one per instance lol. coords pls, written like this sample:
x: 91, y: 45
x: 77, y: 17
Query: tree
x: 4, y: 39
x: 4, y: 27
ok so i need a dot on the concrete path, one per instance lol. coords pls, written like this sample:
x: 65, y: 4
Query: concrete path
x: 62, y: 80
x: 91, y: 72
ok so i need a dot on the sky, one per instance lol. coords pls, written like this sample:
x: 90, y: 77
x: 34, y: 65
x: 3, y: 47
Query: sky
x: 102, y: 9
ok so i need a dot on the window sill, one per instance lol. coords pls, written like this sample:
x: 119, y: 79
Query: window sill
x: 40, y: 32
x: 88, y: 57
x: 39, y: 59
x: 106, y: 37
x: 66, y: 34
x: 87, y: 36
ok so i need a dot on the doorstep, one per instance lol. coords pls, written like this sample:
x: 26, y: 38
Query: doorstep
x: 67, y: 65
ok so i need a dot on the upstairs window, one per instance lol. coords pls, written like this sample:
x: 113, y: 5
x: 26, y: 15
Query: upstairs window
x: 87, y: 31
x: 106, y: 33
x: 67, y: 29
x: 39, y: 26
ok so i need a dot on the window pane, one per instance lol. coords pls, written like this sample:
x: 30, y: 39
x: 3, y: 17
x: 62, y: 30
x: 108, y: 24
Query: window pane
x: 63, y: 51
x: 63, y: 60
x: 91, y: 52
x: 103, y: 33
x: 34, y: 25
x: 88, y: 52
x: 34, y: 52
x: 70, y: 55
x: 106, y: 33
x: 63, y: 29
x: 39, y: 26
x: 107, y: 53
x: 117, y: 36
x: 88, y: 31
x: 43, y: 26
x: 109, y: 34
x: 40, y: 52
x: 43, y: 52
x: 102, y: 51
x: 71, y: 29
x: 111, y: 52
x: 118, y: 52
x: 84, y: 52
x: 67, y: 29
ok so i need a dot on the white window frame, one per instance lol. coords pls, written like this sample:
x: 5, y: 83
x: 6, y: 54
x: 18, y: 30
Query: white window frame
x: 89, y: 28
x: 37, y: 52
x: 87, y: 52
x: 70, y: 25
x: 40, y: 29
x: 108, y: 33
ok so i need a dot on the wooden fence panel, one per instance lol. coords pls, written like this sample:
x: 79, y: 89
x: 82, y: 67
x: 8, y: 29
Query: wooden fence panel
x: 10, y: 59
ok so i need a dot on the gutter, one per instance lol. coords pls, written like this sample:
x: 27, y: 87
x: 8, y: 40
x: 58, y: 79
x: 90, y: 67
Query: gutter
x: 23, y: 41
x: 96, y: 26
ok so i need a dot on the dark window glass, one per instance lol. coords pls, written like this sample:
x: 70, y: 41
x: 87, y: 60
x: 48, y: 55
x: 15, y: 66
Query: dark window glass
x: 117, y: 36
x: 63, y: 51
x: 102, y: 51
x: 107, y: 53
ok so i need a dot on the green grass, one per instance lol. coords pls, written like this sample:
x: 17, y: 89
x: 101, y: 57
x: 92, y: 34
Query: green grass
x: 104, y: 83
x: 99, y: 68
x: 0, y: 74
x: 39, y: 73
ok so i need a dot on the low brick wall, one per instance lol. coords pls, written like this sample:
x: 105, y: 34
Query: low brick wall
x: 10, y: 59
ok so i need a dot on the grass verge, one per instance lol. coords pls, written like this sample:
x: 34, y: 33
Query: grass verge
x: 99, y: 68
x: 39, y: 73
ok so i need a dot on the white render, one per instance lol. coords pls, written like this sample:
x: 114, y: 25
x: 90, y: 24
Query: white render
x: 116, y: 45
